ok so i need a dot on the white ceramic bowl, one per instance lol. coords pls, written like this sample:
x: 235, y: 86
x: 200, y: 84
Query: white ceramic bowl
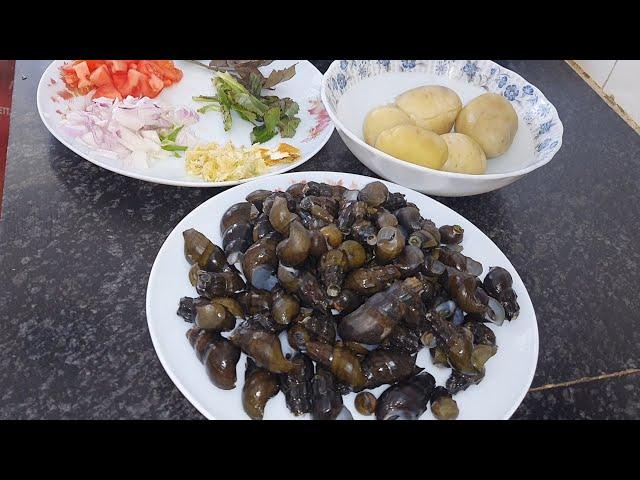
x: 508, y: 374
x: 351, y: 88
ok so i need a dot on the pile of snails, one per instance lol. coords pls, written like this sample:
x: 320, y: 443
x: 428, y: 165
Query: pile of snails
x: 355, y: 283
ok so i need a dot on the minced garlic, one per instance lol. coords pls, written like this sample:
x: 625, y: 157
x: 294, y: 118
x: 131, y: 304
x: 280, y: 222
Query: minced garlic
x: 218, y: 163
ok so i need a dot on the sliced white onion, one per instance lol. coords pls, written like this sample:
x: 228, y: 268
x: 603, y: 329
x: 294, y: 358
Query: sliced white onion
x: 127, y: 129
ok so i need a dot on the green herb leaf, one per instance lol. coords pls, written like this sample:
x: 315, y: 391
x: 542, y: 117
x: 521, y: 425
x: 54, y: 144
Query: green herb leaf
x: 266, y: 132
x: 210, y: 107
x: 173, y: 134
x: 287, y: 126
x: 260, y: 134
x: 174, y: 148
x: 271, y: 118
x: 255, y: 84
x: 247, y: 115
x: 248, y: 102
x: 204, y: 98
x: 289, y: 107
x: 225, y: 108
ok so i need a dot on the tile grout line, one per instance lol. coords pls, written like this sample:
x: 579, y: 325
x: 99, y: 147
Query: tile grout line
x: 610, y: 73
x: 605, y: 376
x: 609, y: 99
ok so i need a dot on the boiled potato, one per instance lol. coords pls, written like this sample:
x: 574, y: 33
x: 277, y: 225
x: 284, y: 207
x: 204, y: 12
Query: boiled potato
x: 414, y: 145
x: 432, y: 107
x: 491, y: 121
x: 465, y: 154
x: 383, y: 118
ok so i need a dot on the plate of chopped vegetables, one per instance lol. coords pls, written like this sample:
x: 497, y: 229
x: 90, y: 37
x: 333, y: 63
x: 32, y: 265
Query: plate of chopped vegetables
x: 192, y: 123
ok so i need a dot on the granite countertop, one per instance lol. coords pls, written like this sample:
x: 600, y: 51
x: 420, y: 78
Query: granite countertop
x: 77, y: 243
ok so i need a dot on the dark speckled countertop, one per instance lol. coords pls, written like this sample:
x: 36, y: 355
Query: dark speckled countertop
x: 77, y: 243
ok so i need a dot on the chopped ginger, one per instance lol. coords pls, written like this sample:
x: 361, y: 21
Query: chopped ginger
x: 219, y: 163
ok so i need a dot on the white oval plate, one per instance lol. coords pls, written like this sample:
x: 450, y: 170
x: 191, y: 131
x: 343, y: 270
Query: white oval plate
x: 508, y: 374
x: 313, y: 132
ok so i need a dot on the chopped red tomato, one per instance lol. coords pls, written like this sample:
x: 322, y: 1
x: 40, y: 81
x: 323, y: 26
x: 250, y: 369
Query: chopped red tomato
x: 108, y: 91
x: 93, y: 64
x: 120, y: 77
x: 83, y: 72
x: 101, y: 76
x: 118, y: 65
x: 152, y: 87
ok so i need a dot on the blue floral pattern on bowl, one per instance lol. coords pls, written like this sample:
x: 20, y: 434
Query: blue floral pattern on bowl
x: 533, y: 108
x: 470, y: 69
x: 511, y: 92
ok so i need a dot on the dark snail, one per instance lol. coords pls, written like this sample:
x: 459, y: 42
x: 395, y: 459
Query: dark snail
x: 296, y: 385
x: 385, y: 218
x: 280, y: 216
x: 347, y: 301
x: 409, y: 261
x: 402, y: 339
x: 332, y: 234
x: 187, y: 307
x: 443, y: 406
x: 374, y: 194
x: 219, y: 284
x: 294, y: 250
x: 365, y: 403
x: 284, y: 307
x: 260, y: 385
x: 260, y: 262
x: 257, y: 198
x: 220, y: 360
x: 406, y: 400
x: 376, y: 318
x: 498, y: 283
x: 390, y: 244
x: 261, y: 228
x: 214, y: 316
x: 264, y: 347
x: 291, y: 202
x: 342, y: 362
x: 355, y: 252
x: 451, y: 234
x: 367, y: 281
x: 388, y: 367
x: 457, y: 381
x: 327, y: 400
x: 255, y: 301
x: 296, y: 189
x: 332, y: 267
x: 319, y: 244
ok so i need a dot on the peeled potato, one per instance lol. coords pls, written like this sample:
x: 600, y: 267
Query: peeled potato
x: 433, y: 107
x: 383, y: 118
x: 414, y: 145
x: 491, y: 121
x: 465, y: 154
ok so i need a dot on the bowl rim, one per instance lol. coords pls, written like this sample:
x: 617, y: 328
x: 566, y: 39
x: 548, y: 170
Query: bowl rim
x: 419, y: 168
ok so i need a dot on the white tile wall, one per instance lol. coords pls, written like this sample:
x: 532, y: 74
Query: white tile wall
x: 624, y: 85
x: 619, y: 79
x: 598, y: 70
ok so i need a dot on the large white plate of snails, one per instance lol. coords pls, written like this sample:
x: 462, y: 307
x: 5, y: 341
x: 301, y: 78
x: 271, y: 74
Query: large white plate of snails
x: 414, y: 323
